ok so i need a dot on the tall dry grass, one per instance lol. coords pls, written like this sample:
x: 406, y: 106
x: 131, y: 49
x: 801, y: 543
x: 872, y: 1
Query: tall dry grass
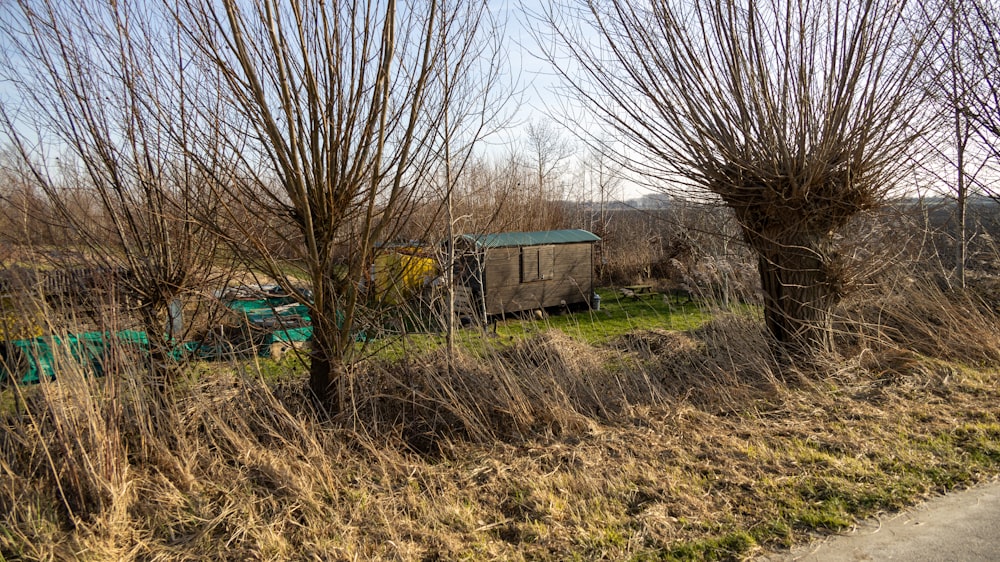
x: 913, y: 325
x: 228, y: 466
x: 488, y: 455
x: 548, y: 383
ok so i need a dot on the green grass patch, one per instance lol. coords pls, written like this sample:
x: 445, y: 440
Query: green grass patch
x: 618, y: 316
x: 731, y: 546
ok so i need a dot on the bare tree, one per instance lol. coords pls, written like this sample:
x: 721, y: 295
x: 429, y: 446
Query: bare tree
x: 796, y: 115
x: 96, y: 83
x: 981, y: 31
x: 981, y: 28
x: 494, y: 196
x: 333, y: 113
x: 475, y: 100
x: 955, y: 98
x: 25, y: 215
x: 957, y: 156
x: 605, y: 175
x: 548, y: 151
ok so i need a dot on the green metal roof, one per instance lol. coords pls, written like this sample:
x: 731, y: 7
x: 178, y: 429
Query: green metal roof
x: 509, y: 239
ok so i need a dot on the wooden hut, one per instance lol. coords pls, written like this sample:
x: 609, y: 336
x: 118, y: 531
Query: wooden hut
x: 516, y: 271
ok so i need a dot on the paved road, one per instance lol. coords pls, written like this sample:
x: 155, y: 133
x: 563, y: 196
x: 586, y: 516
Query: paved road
x: 963, y: 526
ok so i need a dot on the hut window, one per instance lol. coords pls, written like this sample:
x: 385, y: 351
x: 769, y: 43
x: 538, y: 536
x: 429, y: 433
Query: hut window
x: 536, y: 263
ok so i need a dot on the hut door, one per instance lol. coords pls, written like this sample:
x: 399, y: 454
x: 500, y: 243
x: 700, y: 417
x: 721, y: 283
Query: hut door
x: 536, y: 263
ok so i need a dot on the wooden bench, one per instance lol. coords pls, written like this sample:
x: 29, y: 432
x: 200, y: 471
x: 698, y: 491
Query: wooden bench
x: 637, y: 291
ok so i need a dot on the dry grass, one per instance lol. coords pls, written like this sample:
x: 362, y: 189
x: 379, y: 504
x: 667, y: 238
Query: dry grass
x: 921, y: 316
x: 663, y: 445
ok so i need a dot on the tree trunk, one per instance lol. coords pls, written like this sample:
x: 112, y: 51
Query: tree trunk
x: 161, y: 375
x: 800, y: 292
x: 961, y: 196
x: 962, y: 236
x: 326, y: 369
x: 325, y: 377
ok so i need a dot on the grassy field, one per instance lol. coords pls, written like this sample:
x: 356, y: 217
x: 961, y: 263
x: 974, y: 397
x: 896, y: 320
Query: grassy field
x: 618, y: 316
x: 646, y: 431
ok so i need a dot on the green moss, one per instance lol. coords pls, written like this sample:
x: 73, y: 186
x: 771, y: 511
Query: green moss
x: 733, y: 545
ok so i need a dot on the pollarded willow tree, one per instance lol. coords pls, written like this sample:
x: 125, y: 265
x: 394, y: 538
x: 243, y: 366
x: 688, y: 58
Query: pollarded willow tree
x: 796, y: 114
x: 335, y: 115
x: 95, y: 99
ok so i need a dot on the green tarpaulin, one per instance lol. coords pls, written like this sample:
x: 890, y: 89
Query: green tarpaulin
x: 263, y: 322
x: 29, y: 360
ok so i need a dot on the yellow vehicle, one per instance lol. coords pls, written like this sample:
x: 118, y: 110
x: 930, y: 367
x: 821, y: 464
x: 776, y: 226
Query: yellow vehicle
x: 401, y: 272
